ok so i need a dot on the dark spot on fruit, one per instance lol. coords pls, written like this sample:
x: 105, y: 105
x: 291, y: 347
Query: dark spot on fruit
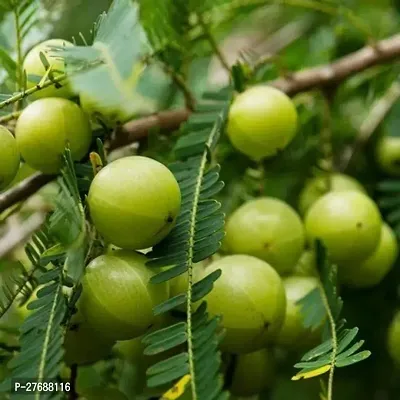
x: 170, y: 218
x: 267, y: 245
x: 359, y: 225
x: 266, y: 325
x: 74, y: 327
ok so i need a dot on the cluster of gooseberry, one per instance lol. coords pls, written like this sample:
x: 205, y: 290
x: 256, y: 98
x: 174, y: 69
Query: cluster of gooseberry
x: 268, y: 265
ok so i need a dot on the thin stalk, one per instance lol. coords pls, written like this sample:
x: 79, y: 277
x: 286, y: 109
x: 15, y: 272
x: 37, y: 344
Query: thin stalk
x: 213, y: 43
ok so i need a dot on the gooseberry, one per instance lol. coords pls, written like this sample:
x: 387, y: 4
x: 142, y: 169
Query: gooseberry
x: 34, y: 66
x: 388, y: 155
x: 83, y: 344
x: 393, y: 336
x: 348, y: 223
x: 250, y: 297
x: 9, y: 157
x: 118, y: 298
x: 253, y: 373
x: 370, y: 272
x: 134, y: 202
x: 318, y: 186
x: 269, y: 229
x: 262, y: 120
x: 293, y: 332
x: 46, y: 127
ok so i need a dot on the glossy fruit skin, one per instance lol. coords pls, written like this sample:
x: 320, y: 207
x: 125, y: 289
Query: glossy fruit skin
x: 348, y: 223
x: 293, y: 333
x: 269, y: 229
x: 45, y: 128
x: 128, y: 313
x: 393, y: 339
x: 250, y: 297
x: 371, y: 272
x: 34, y: 66
x: 83, y: 344
x: 388, y: 155
x: 262, y: 120
x: 9, y: 157
x: 134, y: 202
x: 317, y: 187
x: 253, y: 373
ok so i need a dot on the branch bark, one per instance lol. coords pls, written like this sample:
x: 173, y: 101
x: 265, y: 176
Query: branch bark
x: 317, y: 77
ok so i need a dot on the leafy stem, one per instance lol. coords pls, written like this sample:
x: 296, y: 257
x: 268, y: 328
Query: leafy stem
x: 332, y: 325
x: 25, y: 93
x: 20, y: 70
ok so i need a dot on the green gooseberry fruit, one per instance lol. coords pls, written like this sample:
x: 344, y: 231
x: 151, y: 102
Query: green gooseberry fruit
x: 317, y: 187
x: 102, y: 393
x: 388, y: 155
x: 393, y: 339
x: 269, y: 229
x: 83, y: 344
x: 9, y: 157
x: 34, y: 66
x: 134, y: 202
x: 306, y: 264
x: 293, y: 332
x: 371, y: 272
x: 46, y: 127
x: 252, y: 373
x: 348, y: 223
x: 117, y: 297
x: 262, y: 120
x: 250, y: 297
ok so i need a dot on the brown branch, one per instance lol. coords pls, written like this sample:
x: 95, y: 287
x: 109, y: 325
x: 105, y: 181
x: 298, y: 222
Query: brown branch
x: 166, y: 121
x: 331, y: 74
x: 23, y: 190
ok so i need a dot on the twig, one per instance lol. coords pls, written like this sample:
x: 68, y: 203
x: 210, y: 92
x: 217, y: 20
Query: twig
x: 10, y: 117
x: 213, y: 43
x: 378, y: 112
x: 18, y: 233
x: 330, y: 74
x: 322, y: 76
x: 24, y: 189
x: 21, y: 95
x: 181, y: 84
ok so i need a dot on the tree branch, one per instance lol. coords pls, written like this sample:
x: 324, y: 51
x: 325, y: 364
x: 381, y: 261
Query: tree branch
x: 304, y: 80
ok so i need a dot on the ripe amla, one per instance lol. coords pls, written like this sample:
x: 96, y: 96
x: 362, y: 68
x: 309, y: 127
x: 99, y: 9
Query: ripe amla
x: 134, y: 202
x: 83, y: 344
x: 388, y: 155
x: 293, y: 332
x: 318, y: 186
x: 250, y: 297
x: 262, y: 120
x: 393, y: 339
x: 9, y: 157
x: 46, y: 127
x: 269, y: 229
x: 117, y: 297
x: 370, y: 272
x: 252, y: 373
x: 34, y: 66
x: 348, y: 223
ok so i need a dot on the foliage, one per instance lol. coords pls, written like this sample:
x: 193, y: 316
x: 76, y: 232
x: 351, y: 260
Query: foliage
x: 146, y: 56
